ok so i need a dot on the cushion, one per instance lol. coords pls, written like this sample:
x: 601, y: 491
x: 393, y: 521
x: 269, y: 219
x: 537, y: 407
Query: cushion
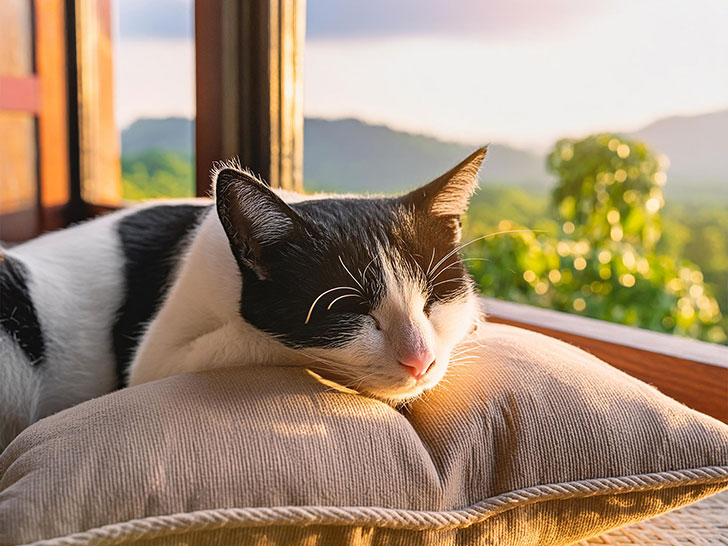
x: 527, y: 441
x: 702, y: 523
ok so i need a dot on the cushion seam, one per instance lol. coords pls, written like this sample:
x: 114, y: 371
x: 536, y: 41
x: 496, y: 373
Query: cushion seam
x: 393, y: 518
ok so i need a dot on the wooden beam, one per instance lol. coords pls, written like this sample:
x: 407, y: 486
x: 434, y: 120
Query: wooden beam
x: 693, y: 372
x: 249, y: 81
x: 209, y: 90
x: 50, y: 47
x: 99, y: 148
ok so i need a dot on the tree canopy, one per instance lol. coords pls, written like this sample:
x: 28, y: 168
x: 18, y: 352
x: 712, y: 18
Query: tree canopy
x: 598, y: 257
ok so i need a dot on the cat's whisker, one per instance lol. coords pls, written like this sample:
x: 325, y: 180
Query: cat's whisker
x: 321, y: 295
x: 352, y: 276
x: 445, y: 281
x: 432, y: 259
x: 465, y: 347
x: 363, y: 278
x: 424, y: 275
x: 461, y: 353
x: 460, y: 247
x: 341, y: 297
x: 461, y: 360
x: 457, y: 263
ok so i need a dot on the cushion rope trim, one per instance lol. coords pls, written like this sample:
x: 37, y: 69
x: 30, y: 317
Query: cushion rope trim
x: 393, y: 518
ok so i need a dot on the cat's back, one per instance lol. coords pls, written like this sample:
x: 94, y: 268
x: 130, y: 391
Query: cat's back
x: 153, y: 242
x: 87, y: 293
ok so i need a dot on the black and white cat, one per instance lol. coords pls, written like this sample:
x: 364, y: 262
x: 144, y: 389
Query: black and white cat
x: 369, y: 291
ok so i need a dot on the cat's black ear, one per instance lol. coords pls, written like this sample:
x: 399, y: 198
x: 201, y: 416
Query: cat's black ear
x: 253, y: 217
x: 449, y: 194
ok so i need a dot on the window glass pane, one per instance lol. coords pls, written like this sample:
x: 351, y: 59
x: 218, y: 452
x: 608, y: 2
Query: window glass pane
x: 605, y: 141
x: 16, y: 47
x: 18, y: 172
x: 155, y: 97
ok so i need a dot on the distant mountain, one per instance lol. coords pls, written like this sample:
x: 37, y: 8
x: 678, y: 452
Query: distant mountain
x: 165, y: 134
x: 348, y: 155
x: 697, y: 147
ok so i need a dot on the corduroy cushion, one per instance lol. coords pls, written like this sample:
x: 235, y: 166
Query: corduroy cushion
x: 532, y: 441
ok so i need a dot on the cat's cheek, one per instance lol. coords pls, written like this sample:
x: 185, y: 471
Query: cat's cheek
x: 452, y: 321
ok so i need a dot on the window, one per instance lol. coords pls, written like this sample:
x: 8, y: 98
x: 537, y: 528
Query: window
x: 604, y: 192
x: 154, y: 97
x: 98, y: 100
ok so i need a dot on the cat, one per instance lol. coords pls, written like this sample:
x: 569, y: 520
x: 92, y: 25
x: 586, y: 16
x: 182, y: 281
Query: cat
x: 370, y: 292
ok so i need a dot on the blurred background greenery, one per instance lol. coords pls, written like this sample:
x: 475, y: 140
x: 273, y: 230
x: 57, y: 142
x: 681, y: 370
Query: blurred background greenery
x: 597, y: 247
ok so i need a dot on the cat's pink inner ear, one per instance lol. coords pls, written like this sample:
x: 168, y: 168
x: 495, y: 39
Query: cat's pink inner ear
x: 450, y: 194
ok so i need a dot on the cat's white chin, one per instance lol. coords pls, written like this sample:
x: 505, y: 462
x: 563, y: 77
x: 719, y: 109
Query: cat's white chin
x: 396, y: 389
x: 399, y: 396
x: 399, y: 390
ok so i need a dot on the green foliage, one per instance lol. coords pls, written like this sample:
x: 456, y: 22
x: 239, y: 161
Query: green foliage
x: 600, y: 254
x: 155, y: 173
x: 699, y: 232
x: 608, y: 188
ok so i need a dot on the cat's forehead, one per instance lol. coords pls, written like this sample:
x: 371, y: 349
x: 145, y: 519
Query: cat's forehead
x: 379, y: 244
x: 373, y: 223
x: 351, y: 215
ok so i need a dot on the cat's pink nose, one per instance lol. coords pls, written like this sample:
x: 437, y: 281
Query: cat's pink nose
x: 418, y: 365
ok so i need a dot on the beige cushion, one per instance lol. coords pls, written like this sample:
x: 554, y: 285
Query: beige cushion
x: 530, y: 442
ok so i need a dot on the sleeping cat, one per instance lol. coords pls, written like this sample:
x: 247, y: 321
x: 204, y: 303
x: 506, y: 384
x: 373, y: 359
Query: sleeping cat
x: 368, y: 291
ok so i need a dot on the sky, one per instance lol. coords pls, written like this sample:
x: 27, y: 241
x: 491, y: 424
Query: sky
x: 521, y: 72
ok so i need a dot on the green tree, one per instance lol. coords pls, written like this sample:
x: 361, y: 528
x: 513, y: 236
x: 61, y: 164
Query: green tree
x: 598, y: 256
x: 155, y: 174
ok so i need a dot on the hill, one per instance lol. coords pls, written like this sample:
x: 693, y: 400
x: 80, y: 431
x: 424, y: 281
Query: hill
x: 159, y: 134
x: 349, y: 155
x: 695, y: 146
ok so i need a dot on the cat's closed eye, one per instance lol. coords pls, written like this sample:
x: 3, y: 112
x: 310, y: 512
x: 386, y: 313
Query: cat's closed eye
x: 376, y: 322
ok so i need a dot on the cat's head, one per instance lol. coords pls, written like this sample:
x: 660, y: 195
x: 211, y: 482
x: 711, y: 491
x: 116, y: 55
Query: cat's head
x: 372, y: 289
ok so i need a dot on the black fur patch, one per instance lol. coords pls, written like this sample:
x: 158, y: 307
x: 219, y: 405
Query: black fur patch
x: 306, y: 263
x: 153, y: 240
x: 17, y: 312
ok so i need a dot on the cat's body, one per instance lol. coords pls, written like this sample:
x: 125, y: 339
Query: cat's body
x: 341, y: 285
x: 84, y: 309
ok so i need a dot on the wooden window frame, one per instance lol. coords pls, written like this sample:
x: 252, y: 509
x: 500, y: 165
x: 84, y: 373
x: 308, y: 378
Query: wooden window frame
x: 249, y: 88
x: 249, y: 104
x: 42, y: 94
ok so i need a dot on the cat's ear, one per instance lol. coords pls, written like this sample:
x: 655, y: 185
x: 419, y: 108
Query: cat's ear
x: 253, y: 217
x: 449, y: 194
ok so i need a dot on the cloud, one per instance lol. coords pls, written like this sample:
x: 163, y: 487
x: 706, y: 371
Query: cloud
x: 374, y: 18
x: 155, y: 18
x: 616, y: 70
x: 379, y: 18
